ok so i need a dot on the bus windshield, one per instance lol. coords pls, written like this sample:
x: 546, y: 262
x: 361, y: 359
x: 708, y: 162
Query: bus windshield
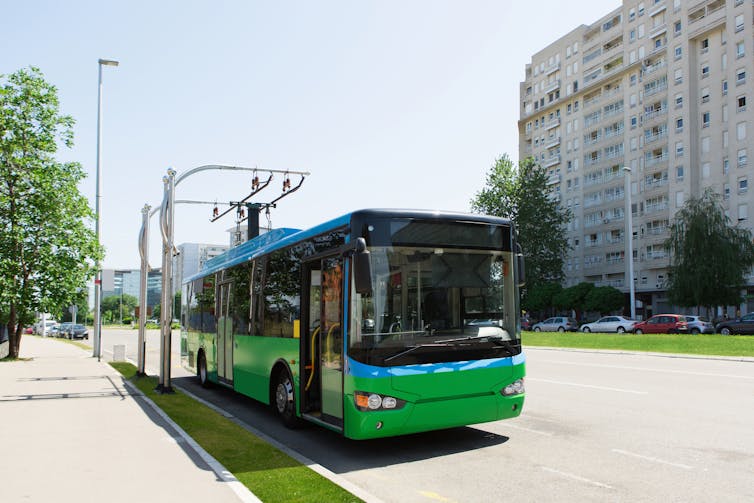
x: 437, y: 304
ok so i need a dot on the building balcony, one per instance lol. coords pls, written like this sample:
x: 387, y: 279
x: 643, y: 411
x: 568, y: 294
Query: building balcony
x: 552, y: 68
x: 552, y: 142
x: 656, y: 160
x: 552, y: 86
x: 553, y: 179
x: 551, y: 161
x: 552, y: 123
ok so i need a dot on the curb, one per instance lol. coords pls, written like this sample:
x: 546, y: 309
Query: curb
x: 243, y: 492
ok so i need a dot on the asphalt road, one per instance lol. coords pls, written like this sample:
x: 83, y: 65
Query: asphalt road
x: 596, y: 426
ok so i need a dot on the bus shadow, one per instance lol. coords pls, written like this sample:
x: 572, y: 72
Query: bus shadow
x: 335, y: 452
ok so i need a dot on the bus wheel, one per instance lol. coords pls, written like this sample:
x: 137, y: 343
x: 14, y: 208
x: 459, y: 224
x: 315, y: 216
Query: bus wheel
x: 284, y: 399
x: 201, y: 371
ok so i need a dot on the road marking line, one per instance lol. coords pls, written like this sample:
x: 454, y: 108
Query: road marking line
x: 604, y: 388
x: 652, y: 459
x: 434, y: 496
x: 539, y: 432
x: 576, y: 477
x: 648, y: 369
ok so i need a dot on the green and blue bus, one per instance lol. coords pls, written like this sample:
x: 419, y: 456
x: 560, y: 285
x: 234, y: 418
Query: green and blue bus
x: 374, y: 324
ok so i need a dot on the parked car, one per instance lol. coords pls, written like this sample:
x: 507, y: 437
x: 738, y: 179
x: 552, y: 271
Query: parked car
x: 526, y: 323
x: 743, y: 325
x: 699, y: 325
x: 76, y: 331
x: 556, y: 324
x: 61, y: 330
x: 663, y: 324
x: 47, y: 328
x: 618, y: 324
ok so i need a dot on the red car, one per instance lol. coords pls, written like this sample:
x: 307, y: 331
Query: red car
x: 663, y: 324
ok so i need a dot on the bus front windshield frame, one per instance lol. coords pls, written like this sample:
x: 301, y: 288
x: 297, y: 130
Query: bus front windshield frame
x: 436, y: 304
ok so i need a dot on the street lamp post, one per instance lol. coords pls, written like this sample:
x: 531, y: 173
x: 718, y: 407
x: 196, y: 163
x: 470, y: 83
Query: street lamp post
x: 98, y: 275
x: 629, y: 243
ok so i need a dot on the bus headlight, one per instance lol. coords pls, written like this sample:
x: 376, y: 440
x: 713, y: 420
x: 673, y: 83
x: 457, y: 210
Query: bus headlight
x: 373, y: 401
x: 514, y: 388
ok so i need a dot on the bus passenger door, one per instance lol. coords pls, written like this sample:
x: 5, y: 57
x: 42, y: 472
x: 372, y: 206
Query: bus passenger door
x: 224, y: 348
x: 331, y: 342
x: 322, y: 341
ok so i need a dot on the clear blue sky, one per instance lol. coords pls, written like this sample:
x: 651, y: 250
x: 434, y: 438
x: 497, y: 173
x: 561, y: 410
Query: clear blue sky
x: 387, y: 103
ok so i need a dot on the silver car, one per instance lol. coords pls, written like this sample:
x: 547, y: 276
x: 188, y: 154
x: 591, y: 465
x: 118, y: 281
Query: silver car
x: 556, y: 324
x: 619, y: 324
x: 699, y: 325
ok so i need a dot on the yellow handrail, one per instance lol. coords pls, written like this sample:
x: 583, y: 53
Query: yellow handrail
x: 311, y: 376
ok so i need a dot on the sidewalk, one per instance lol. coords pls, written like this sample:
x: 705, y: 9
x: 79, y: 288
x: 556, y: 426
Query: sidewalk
x: 70, y: 430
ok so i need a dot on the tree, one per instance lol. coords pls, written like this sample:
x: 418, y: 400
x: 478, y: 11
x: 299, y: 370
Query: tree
x: 522, y: 194
x: 115, y: 305
x: 709, y: 256
x: 604, y: 299
x: 47, y: 251
x: 538, y: 297
x: 573, y: 297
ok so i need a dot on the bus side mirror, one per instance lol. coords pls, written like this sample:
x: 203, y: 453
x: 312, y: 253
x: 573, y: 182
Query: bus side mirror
x: 520, y: 269
x: 362, y: 268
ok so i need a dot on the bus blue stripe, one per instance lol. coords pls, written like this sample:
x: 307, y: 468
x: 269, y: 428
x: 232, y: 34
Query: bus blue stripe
x: 358, y: 369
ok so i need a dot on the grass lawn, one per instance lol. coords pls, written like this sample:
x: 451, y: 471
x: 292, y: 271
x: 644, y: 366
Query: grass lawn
x: 702, y: 344
x: 269, y: 473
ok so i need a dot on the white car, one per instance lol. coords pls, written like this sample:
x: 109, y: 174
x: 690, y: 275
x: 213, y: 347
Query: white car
x: 619, y: 324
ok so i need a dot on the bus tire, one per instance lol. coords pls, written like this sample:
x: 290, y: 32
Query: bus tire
x: 201, y: 370
x: 284, y: 398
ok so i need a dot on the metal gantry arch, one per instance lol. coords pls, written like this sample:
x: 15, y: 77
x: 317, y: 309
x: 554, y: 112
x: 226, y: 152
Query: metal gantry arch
x: 167, y: 213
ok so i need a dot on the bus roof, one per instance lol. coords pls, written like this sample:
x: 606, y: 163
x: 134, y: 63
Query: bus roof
x: 278, y: 238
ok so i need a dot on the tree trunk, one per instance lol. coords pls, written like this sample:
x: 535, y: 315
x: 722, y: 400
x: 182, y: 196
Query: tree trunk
x: 14, y: 334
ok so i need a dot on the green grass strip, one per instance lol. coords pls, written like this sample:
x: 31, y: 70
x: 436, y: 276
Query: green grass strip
x: 270, y: 474
x: 702, y: 344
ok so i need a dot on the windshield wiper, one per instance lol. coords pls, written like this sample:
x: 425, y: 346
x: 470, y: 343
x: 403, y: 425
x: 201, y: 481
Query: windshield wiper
x: 410, y: 349
x: 485, y: 338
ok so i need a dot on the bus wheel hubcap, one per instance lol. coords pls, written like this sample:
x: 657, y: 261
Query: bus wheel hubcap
x: 283, y: 395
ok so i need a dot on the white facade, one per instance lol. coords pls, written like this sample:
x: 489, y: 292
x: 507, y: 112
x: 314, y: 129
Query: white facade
x: 663, y: 88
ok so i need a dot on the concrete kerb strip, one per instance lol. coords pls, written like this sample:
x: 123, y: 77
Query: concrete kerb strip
x: 243, y: 492
x: 331, y: 476
x: 679, y: 356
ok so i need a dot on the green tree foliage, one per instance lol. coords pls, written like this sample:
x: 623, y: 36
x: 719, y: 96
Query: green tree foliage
x: 709, y: 256
x: 111, y: 307
x: 538, y: 297
x: 522, y: 194
x: 47, y: 250
x: 604, y: 299
x: 573, y: 297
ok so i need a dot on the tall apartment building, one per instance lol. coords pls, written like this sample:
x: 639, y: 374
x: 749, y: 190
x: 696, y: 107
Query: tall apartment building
x: 191, y: 258
x: 656, y: 86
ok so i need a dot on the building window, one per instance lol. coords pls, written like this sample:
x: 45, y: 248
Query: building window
x: 743, y: 212
x: 678, y: 53
x: 633, y: 122
x: 705, y: 119
x: 741, y: 131
x: 678, y: 76
x: 741, y: 104
x: 743, y: 184
x: 739, y: 22
x: 740, y: 76
x: 705, y: 145
x: 725, y: 139
x: 705, y: 71
x: 704, y: 45
x: 742, y: 160
x: 705, y: 95
x: 679, y: 172
x: 679, y: 101
x: 740, y: 49
x: 705, y: 170
x: 726, y: 166
x: 677, y: 28
x: 679, y: 149
x: 679, y: 125
x: 726, y: 191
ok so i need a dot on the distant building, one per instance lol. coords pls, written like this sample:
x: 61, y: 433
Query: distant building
x: 126, y: 281
x: 191, y: 258
x: 656, y: 86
